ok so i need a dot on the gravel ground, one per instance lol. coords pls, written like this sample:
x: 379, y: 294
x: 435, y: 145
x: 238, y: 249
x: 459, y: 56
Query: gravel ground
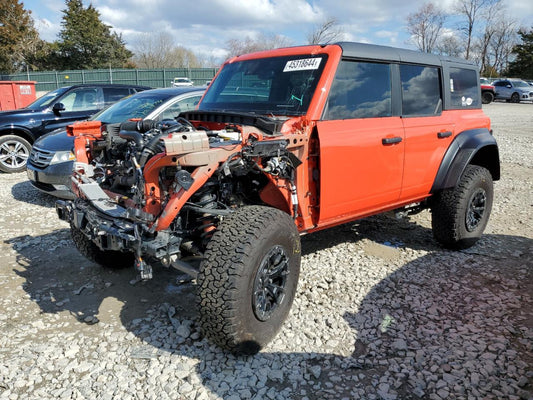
x: 381, y: 312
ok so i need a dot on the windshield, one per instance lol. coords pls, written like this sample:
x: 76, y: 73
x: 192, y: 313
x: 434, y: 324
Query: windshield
x: 271, y: 86
x: 46, y: 99
x: 521, y: 84
x: 136, y: 106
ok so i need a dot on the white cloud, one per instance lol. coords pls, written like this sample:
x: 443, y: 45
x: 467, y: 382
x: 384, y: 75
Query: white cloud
x: 113, y: 16
x: 522, y: 10
x: 391, y: 36
x: 47, y: 30
x: 206, y: 25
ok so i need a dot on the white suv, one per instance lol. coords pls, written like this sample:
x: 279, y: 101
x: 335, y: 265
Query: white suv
x: 181, y: 82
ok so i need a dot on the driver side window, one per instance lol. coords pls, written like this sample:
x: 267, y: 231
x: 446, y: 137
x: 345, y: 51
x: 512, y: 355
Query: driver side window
x: 360, y: 90
x: 81, y: 99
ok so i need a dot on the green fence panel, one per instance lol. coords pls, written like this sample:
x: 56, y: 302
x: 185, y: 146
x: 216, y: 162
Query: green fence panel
x: 156, y: 78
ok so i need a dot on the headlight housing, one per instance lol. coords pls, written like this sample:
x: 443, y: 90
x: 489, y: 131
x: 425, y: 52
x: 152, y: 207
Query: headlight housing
x: 62, y: 156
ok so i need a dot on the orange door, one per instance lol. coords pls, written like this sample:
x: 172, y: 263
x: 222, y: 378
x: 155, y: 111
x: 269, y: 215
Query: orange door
x: 428, y: 129
x: 426, y: 141
x: 361, y: 166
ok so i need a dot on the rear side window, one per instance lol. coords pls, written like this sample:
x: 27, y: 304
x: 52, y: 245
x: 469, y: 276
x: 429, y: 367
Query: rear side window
x: 112, y: 95
x: 465, y: 92
x: 360, y: 90
x: 421, y: 90
x: 501, y: 83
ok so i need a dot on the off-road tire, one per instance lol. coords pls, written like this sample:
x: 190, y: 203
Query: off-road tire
x: 14, y: 153
x: 515, y: 98
x: 235, y: 257
x: 460, y: 214
x: 106, y: 258
x: 487, y: 97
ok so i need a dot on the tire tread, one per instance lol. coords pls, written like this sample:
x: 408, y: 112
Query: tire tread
x: 225, y: 264
x: 446, y: 209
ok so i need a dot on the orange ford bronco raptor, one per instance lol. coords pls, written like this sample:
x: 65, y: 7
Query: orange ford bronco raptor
x: 284, y: 142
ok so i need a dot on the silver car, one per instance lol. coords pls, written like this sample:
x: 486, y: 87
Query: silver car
x: 513, y: 90
x: 51, y: 159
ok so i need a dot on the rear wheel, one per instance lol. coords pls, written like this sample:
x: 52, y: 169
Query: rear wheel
x: 460, y: 214
x: 14, y: 153
x: 106, y: 258
x: 248, y: 278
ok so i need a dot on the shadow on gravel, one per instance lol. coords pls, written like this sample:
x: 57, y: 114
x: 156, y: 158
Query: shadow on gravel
x: 24, y: 191
x: 382, y: 229
x: 452, y: 323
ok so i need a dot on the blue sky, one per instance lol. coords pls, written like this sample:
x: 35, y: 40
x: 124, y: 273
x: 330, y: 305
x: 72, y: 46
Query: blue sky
x: 204, y: 26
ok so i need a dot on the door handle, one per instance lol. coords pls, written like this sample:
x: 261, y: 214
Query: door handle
x: 391, y: 140
x: 442, y: 135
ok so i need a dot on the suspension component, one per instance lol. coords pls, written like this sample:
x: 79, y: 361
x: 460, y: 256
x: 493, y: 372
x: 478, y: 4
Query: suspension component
x: 145, y: 270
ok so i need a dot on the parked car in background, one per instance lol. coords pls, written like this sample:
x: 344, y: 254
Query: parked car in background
x: 50, y: 164
x: 487, y: 91
x: 56, y: 109
x: 182, y: 82
x: 486, y: 81
x: 513, y: 90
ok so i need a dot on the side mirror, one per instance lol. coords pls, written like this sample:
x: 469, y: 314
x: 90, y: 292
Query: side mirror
x: 58, y: 107
x: 509, y: 86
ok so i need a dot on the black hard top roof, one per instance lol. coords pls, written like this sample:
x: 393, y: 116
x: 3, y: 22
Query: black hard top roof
x: 386, y: 53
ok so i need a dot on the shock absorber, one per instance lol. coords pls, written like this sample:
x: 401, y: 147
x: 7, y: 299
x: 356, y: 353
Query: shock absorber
x: 206, y: 222
x: 294, y: 200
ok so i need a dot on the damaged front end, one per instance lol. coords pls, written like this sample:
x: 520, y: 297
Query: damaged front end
x: 157, y: 191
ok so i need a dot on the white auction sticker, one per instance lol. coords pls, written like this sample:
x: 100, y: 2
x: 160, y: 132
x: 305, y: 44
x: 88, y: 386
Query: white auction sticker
x: 303, y: 64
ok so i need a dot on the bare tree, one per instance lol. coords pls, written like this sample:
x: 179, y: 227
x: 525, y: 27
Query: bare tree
x: 449, y: 45
x: 425, y: 26
x: 157, y: 50
x: 152, y: 50
x: 472, y: 10
x: 208, y: 61
x: 328, y: 31
x: 501, y: 45
x: 236, y: 47
x: 182, y: 57
x: 492, y: 16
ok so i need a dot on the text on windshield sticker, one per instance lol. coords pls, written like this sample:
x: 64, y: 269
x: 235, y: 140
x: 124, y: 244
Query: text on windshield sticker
x: 303, y: 64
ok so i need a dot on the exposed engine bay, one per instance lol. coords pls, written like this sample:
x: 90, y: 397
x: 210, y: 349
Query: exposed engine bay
x: 158, y: 190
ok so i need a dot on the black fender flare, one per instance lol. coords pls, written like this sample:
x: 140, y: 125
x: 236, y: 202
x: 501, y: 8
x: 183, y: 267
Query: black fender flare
x: 475, y: 146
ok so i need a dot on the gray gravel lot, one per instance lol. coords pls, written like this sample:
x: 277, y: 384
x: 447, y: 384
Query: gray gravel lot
x: 382, y: 312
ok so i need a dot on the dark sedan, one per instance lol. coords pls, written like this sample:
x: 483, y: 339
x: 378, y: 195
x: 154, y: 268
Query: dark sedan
x: 58, y: 108
x: 51, y: 160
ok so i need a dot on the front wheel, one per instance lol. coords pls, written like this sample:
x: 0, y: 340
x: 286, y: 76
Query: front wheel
x: 14, y: 153
x: 248, y: 278
x: 460, y: 214
x: 515, y: 98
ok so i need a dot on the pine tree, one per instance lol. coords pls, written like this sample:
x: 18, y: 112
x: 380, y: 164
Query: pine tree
x: 85, y: 42
x: 522, y: 66
x: 18, y: 37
